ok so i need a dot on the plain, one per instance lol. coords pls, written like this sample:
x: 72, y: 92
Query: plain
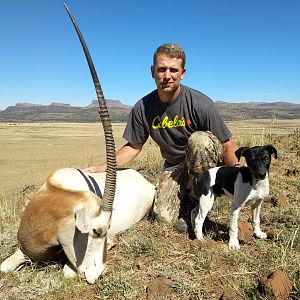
x: 151, y: 253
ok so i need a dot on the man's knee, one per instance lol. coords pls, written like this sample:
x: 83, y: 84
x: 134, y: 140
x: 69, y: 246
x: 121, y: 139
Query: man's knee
x: 166, y: 203
x: 203, y: 151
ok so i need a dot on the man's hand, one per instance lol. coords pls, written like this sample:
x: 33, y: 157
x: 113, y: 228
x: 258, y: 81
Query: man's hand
x: 240, y: 165
x: 96, y: 169
x: 124, y: 156
x: 229, y: 148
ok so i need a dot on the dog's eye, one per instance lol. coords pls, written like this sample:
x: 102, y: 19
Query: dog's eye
x: 266, y: 158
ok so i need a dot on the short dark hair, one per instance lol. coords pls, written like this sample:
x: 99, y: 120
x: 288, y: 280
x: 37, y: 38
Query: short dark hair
x: 171, y: 50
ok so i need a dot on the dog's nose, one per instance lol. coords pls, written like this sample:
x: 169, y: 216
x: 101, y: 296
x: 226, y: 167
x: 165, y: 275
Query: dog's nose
x: 261, y: 176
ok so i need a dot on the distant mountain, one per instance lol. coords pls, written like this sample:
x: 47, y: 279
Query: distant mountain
x: 26, y: 104
x: 109, y: 103
x: 258, y: 110
x: 60, y: 112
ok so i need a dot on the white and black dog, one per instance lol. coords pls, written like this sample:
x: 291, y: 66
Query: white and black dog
x: 247, y: 186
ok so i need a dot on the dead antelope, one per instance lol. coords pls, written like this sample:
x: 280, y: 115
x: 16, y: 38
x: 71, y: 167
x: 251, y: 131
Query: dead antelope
x: 66, y: 219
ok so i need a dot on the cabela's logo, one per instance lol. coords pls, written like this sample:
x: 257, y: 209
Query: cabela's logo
x: 166, y: 123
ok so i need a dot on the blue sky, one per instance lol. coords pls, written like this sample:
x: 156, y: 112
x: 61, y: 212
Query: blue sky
x: 237, y: 50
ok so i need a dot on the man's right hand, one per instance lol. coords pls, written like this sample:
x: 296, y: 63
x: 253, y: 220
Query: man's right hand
x: 124, y: 156
x: 96, y: 169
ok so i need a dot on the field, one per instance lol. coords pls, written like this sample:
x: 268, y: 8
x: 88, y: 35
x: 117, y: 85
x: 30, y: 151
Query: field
x: 151, y: 260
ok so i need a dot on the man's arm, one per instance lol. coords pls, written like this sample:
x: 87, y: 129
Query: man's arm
x: 124, y: 156
x: 229, y: 148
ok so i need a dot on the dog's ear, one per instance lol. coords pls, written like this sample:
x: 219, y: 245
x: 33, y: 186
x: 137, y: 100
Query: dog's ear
x: 242, y: 151
x: 271, y: 149
x: 203, y: 183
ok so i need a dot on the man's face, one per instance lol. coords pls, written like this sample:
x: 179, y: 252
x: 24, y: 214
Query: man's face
x: 167, y: 73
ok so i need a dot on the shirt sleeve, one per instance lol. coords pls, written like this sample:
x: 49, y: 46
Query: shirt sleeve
x: 135, y: 131
x: 214, y: 123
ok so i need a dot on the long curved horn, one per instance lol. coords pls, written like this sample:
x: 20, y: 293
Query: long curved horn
x: 111, y: 175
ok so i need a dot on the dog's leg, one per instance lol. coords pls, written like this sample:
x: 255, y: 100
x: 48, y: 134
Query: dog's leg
x: 194, y: 214
x: 233, y: 229
x: 255, y: 209
x: 205, y: 205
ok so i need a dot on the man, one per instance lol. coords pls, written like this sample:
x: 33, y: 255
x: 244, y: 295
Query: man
x: 170, y: 115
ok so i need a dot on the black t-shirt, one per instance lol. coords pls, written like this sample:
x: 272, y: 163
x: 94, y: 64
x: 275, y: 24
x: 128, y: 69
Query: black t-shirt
x: 171, y: 124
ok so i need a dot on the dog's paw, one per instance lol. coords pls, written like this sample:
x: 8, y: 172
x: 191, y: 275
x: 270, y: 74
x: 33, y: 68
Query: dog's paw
x: 234, y: 244
x: 260, y: 235
x: 199, y: 235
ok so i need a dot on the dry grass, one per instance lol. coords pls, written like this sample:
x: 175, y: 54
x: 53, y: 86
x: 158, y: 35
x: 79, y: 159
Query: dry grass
x: 196, y: 270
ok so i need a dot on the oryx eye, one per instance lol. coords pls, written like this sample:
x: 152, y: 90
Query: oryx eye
x: 97, y: 233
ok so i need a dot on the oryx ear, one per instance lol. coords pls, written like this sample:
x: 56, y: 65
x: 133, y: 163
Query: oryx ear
x: 271, y: 149
x: 242, y: 151
x: 82, y: 220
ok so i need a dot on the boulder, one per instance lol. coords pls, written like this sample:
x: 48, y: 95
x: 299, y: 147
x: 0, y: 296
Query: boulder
x: 275, y: 286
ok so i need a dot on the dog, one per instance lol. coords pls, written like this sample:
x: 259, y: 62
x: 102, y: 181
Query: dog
x: 247, y: 186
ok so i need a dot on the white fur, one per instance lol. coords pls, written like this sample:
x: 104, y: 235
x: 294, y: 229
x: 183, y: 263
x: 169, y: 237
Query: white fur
x: 84, y: 247
x: 244, y: 195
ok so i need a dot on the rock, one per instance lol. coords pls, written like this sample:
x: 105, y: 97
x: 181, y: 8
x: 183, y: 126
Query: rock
x: 158, y: 287
x: 230, y: 294
x: 112, y: 241
x: 245, y: 234
x: 275, y: 286
x: 206, y: 244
